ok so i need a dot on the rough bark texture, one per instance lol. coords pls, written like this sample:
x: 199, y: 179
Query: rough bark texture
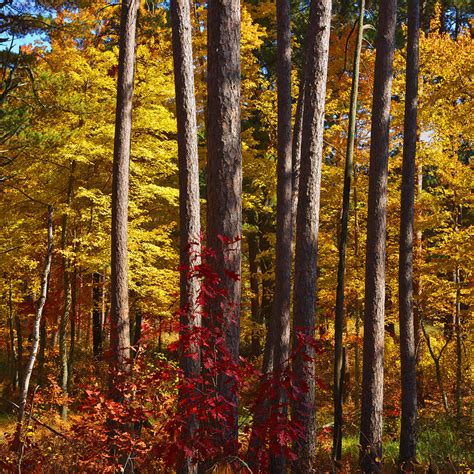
x: 373, y: 352
x: 405, y: 271
x: 307, y: 223
x: 224, y: 183
x: 341, y: 270
x: 120, y: 324
x: 281, y: 307
x: 35, y: 333
x: 296, y: 151
x: 190, y: 226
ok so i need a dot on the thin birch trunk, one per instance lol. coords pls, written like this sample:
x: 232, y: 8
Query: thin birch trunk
x: 35, y: 335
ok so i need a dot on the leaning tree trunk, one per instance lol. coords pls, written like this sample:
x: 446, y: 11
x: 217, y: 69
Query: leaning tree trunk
x: 224, y: 189
x: 190, y: 227
x: 120, y: 324
x: 405, y: 272
x: 341, y: 270
x: 307, y: 224
x: 281, y: 306
x: 373, y: 351
x: 35, y: 334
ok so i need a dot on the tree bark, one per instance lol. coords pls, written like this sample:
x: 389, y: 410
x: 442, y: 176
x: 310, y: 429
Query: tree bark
x: 284, y: 231
x: 25, y: 382
x: 341, y: 270
x: 224, y: 188
x: 307, y: 224
x: 120, y: 324
x: 190, y: 226
x: 296, y: 152
x: 373, y: 351
x: 407, y: 456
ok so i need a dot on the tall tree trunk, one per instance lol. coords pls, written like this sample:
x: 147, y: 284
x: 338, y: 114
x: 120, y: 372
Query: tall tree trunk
x: 373, y: 352
x: 282, y: 301
x: 405, y: 272
x: 97, y: 336
x: 307, y: 224
x: 64, y: 319
x: 190, y: 226
x: 296, y: 152
x: 341, y: 270
x: 35, y: 335
x: 120, y: 324
x: 224, y: 187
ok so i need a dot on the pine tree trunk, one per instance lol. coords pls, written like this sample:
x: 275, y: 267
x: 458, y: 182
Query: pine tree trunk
x: 120, y: 324
x: 373, y: 352
x: 190, y: 227
x: 341, y: 270
x: 282, y: 301
x: 296, y: 152
x: 224, y: 187
x: 307, y: 224
x: 405, y: 275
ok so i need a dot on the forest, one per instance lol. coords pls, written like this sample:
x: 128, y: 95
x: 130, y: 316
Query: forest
x: 236, y: 236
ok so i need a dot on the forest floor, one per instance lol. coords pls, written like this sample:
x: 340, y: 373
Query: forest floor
x: 441, y: 448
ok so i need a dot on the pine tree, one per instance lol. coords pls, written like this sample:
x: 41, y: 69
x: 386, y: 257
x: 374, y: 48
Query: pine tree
x: 373, y: 351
